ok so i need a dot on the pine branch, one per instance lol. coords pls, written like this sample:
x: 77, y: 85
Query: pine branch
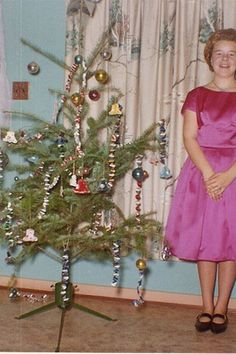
x: 102, y: 42
x: 46, y: 54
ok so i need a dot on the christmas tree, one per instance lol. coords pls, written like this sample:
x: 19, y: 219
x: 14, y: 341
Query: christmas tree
x: 61, y: 202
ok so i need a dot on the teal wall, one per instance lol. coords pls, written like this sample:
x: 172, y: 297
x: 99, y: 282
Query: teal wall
x: 43, y: 23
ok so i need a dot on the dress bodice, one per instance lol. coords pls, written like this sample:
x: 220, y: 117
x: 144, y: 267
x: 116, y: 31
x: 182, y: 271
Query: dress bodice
x: 216, y: 116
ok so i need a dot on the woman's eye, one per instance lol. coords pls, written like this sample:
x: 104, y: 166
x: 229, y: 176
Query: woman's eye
x: 217, y: 54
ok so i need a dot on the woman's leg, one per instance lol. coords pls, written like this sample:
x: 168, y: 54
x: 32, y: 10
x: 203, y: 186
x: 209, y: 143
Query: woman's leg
x: 226, y: 280
x: 207, y: 276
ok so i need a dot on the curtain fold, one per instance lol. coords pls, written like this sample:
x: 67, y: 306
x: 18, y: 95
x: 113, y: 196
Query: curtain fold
x: 157, y: 57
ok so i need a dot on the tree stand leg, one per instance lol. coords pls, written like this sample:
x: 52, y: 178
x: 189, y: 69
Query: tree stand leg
x: 64, y: 306
x: 63, y: 312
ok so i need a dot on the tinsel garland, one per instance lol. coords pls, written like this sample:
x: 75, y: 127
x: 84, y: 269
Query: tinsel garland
x: 65, y: 275
x: 140, y: 300
x: 162, y: 137
x: 139, y: 175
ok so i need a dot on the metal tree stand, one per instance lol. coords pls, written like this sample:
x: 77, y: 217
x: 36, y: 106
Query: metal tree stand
x: 64, y: 294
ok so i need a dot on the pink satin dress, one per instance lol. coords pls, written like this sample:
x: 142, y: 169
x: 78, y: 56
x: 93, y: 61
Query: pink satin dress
x: 199, y: 228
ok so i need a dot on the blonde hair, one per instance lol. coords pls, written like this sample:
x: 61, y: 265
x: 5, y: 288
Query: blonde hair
x: 228, y: 34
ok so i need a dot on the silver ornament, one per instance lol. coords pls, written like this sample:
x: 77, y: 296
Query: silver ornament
x: 14, y: 293
x: 165, y: 253
x: 33, y: 68
x: 106, y: 54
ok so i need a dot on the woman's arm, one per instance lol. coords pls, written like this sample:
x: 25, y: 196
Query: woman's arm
x: 192, y: 147
x: 196, y: 154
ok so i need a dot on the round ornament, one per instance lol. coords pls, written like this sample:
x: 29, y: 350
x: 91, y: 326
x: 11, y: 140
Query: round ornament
x: 33, y: 68
x: 138, y: 174
x: 141, y: 264
x: 86, y: 171
x: 77, y: 99
x: 106, y: 54
x: 101, y: 76
x: 94, y: 95
x: 145, y: 174
x: 104, y: 186
x: 78, y: 59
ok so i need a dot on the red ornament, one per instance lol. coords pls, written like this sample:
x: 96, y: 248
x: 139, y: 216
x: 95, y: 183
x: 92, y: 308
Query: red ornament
x: 82, y: 187
x: 94, y: 95
x: 86, y: 171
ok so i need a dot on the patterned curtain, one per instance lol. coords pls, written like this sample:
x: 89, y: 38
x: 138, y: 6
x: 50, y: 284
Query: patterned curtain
x: 157, y: 57
x: 5, y: 97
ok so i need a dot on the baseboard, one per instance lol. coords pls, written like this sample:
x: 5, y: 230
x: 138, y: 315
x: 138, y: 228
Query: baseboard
x: 110, y: 292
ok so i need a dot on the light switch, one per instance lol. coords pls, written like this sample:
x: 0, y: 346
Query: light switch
x: 20, y: 90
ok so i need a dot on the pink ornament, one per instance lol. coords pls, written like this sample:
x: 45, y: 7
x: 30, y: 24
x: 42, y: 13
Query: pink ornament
x: 30, y: 236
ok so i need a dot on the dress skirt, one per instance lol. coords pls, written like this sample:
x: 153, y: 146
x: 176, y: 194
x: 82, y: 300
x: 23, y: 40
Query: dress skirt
x: 199, y: 228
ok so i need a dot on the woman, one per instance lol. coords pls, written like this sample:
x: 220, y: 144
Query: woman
x: 201, y: 225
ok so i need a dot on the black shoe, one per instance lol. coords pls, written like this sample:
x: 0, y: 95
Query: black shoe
x: 203, y: 326
x: 219, y: 327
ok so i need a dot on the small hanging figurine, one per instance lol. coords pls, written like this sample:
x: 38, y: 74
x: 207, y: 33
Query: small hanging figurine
x: 30, y: 236
x: 115, y: 110
x: 73, y: 180
x: 82, y: 187
x: 10, y: 137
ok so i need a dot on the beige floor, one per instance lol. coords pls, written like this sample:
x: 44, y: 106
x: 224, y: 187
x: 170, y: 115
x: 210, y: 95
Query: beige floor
x: 153, y: 328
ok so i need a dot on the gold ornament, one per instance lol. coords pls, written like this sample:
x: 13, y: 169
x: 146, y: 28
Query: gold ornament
x: 115, y: 110
x: 77, y: 99
x: 141, y: 264
x: 145, y: 174
x: 101, y: 76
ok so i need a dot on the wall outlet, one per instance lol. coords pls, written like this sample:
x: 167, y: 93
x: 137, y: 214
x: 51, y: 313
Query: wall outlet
x: 20, y: 90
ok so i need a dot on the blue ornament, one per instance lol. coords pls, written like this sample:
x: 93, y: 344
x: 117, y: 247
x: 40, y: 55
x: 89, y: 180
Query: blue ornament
x: 33, y: 159
x: 138, y: 174
x: 61, y: 140
x: 165, y: 173
x: 78, y: 59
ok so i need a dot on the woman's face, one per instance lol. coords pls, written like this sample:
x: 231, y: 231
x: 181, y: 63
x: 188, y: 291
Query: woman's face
x: 223, y: 58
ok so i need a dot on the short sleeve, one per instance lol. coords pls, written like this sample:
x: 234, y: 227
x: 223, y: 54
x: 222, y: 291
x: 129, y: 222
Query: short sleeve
x: 190, y: 102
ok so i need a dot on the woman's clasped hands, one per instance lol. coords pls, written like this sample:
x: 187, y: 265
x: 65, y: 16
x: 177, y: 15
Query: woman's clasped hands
x: 217, y: 183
